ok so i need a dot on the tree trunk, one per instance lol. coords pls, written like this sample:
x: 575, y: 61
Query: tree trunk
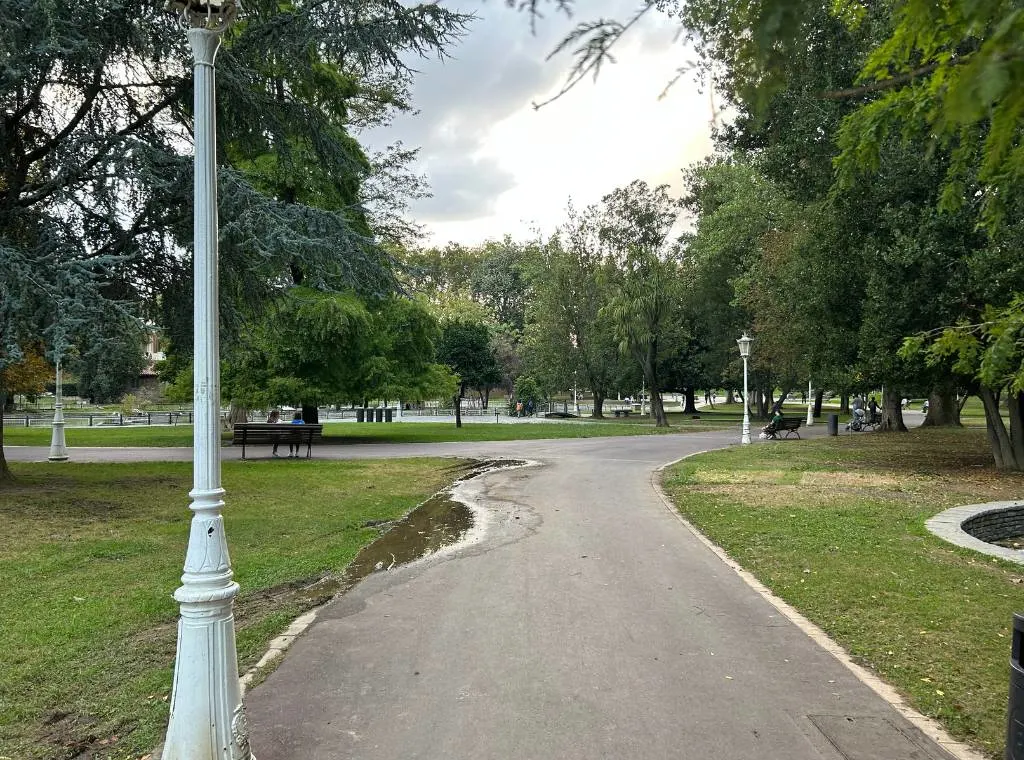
x: 892, y: 412
x: 943, y: 410
x: 819, y: 397
x: 844, y: 403
x: 761, y: 400
x: 458, y: 405
x: 691, y: 403
x: 5, y: 472
x: 730, y: 396
x: 998, y: 438
x: 598, y: 411
x: 784, y: 395
x: 310, y: 414
x: 657, y: 408
x: 1015, y: 408
x: 237, y: 413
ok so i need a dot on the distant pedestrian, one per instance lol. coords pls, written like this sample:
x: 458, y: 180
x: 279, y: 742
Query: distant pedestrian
x: 872, y: 407
x: 519, y: 409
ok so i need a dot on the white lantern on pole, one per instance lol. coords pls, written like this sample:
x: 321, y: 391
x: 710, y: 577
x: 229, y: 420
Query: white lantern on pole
x: 744, y: 344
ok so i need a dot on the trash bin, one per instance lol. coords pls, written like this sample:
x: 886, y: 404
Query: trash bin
x: 833, y: 424
x: 389, y: 414
x: 380, y: 414
x: 360, y: 415
x: 1015, y: 718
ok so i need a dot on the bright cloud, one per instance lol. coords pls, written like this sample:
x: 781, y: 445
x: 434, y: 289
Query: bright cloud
x: 498, y: 166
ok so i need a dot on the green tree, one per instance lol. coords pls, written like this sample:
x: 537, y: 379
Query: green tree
x: 568, y: 338
x: 465, y: 348
x: 28, y: 374
x: 314, y: 348
x: 635, y: 224
x: 95, y: 184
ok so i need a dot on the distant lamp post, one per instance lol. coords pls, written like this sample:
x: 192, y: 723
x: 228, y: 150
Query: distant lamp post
x: 744, y: 344
x: 810, y: 403
x: 207, y: 716
x: 58, y: 448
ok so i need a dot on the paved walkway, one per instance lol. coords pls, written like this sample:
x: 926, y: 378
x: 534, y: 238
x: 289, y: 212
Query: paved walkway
x: 587, y: 622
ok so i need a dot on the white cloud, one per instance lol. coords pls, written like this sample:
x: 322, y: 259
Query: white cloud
x: 497, y: 166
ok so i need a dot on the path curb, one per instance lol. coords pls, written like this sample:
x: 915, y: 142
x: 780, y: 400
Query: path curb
x: 928, y: 726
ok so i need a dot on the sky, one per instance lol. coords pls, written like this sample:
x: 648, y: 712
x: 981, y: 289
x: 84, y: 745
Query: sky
x: 497, y: 166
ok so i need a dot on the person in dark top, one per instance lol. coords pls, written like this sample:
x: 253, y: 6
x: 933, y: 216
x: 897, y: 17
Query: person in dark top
x: 272, y: 419
x: 296, y: 420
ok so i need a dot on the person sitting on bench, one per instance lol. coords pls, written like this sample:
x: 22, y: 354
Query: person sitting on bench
x: 776, y: 420
x: 296, y: 420
x: 272, y: 419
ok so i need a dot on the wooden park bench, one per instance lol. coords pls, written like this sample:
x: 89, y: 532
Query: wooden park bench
x: 262, y: 433
x: 621, y: 412
x: 784, y: 427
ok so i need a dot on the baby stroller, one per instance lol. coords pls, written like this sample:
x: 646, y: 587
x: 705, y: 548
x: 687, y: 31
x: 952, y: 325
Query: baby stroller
x: 863, y: 420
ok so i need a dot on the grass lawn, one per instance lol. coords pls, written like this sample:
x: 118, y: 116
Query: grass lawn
x: 403, y: 432
x: 836, y: 528
x: 142, y: 435
x: 90, y: 555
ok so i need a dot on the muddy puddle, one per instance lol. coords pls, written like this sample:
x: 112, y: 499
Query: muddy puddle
x: 436, y: 524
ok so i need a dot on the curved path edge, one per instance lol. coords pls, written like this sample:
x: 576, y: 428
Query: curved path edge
x: 930, y: 727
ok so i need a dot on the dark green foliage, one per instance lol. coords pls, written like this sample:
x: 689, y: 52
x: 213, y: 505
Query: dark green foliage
x: 319, y: 348
x: 568, y: 341
x: 634, y: 225
x: 465, y: 347
x: 95, y: 177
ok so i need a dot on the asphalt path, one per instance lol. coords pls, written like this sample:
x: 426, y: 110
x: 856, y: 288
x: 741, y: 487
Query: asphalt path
x: 585, y: 620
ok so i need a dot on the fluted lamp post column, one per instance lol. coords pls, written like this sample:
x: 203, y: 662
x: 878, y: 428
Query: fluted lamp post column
x: 207, y: 716
x: 58, y: 448
x: 744, y: 344
x: 810, y: 404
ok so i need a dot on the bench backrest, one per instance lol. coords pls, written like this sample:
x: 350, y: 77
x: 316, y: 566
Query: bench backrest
x: 261, y: 432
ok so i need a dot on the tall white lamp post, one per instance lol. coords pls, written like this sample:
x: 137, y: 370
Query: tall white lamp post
x: 207, y: 716
x: 58, y: 448
x: 810, y: 404
x: 744, y: 344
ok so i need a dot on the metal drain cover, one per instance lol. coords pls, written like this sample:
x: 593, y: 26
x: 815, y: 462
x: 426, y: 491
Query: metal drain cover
x: 870, y: 738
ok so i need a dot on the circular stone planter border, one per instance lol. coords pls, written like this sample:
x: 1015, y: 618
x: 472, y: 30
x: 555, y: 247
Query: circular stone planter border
x: 996, y: 519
